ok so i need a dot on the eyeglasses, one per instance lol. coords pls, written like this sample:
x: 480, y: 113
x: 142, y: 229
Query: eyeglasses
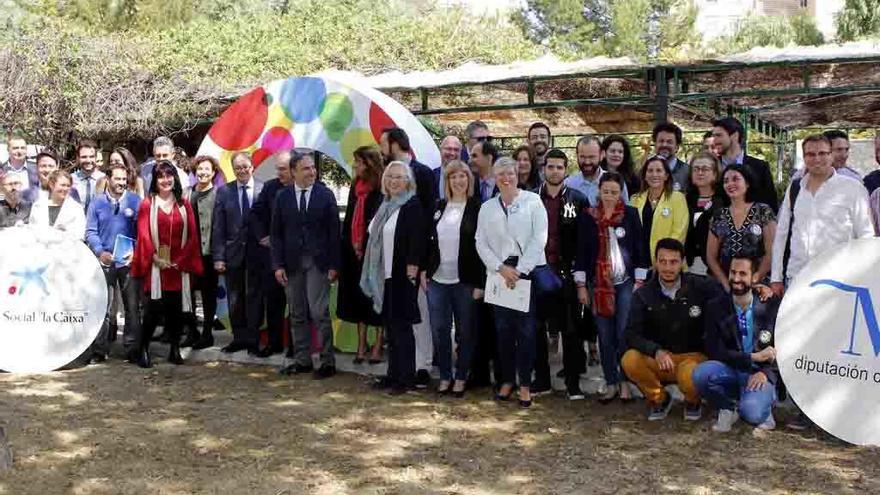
x: 397, y: 177
x: 703, y: 169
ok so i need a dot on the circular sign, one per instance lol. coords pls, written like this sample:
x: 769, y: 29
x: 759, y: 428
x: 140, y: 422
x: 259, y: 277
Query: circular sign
x: 53, y: 298
x: 828, y: 341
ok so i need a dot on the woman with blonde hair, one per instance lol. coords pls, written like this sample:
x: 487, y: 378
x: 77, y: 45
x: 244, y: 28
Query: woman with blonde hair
x: 60, y: 211
x: 455, y: 276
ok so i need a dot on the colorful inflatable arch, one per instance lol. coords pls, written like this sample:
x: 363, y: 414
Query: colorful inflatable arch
x: 333, y: 112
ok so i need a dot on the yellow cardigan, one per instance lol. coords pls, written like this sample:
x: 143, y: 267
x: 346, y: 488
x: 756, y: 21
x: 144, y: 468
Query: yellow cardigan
x: 673, y: 224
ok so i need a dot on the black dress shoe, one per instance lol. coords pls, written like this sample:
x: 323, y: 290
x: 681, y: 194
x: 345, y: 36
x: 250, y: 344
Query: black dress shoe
x: 190, y: 340
x: 144, y: 360
x: 296, y: 369
x: 289, y: 353
x: 234, y: 347
x: 203, y: 343
x: 263, y: 353
x: 174, y: 355
x: 325, y: 371
x: 423, y: 379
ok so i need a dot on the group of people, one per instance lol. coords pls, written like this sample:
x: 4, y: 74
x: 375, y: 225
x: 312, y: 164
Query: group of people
x: 676, y: 266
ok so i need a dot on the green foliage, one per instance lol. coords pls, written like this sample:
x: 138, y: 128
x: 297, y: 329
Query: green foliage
x: 754, y: 31
x: 858, y: 19
x: 641, y: 29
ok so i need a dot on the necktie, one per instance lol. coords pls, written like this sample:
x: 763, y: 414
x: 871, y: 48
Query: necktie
x: 302, y: 200
x: 245, y: 204
x: 88, y: 192
x: 485, y: 191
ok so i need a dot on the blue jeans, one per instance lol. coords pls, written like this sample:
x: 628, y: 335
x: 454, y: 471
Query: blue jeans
x: 722, y: 385
x: 446, y: 301
x: 515, y: 339
x: 612, y: 343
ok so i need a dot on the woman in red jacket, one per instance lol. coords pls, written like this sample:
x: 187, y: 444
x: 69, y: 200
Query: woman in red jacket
x: 166, y: 255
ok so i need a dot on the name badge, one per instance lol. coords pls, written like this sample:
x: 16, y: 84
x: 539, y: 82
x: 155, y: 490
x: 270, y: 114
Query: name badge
x: 695, y: 311
x: 765, y: 336
x: 676, y: 186
x: 665, y: 212
x: 755, y: 229
x: 128, y: 212
x: 437, y: 215
x: 620, y: 232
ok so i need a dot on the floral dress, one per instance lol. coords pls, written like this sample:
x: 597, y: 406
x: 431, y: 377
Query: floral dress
x: 748, y: 240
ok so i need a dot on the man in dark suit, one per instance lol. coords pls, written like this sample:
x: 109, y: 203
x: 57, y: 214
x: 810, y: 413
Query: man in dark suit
x: 394, y: 144
x: 234, y: 247
x: 450, y: 149
x: 261, y: 220
x: 483, y: 156
x: 18, y: 164
x: 305, y: 242
x: 727, y: 136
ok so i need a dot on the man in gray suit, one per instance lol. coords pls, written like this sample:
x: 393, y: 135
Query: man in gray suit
x: 234, y: 244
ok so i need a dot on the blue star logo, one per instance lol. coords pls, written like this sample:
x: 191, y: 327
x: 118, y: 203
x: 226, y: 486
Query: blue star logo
x: 32, y: 275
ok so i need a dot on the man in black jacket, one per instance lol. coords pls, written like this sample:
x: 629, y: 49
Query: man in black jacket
x: 261, y: 220
x: 727, y: 136
x: 394, y: 144
x: 665, y: 332
x: 561, y: 310
x: 740, y: 379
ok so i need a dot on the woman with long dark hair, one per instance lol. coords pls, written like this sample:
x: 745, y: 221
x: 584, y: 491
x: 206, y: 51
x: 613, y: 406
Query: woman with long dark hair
x: 166, y: 255
x: 364, y: 199
x: 122, y: 156
x: 663, y: 211
x: 526, y: 168
x: 618, y: 158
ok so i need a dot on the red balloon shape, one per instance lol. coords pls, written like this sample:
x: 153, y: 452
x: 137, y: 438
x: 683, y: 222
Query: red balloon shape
x: 243, y: 122
x: 258, y: 156
x: 379, y: 120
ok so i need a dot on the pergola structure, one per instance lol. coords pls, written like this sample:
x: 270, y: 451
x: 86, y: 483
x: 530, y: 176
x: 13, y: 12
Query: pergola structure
x: 772, y: 91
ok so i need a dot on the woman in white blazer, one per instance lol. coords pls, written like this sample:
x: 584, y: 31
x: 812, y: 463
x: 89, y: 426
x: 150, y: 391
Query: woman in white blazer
x: 59, y: 211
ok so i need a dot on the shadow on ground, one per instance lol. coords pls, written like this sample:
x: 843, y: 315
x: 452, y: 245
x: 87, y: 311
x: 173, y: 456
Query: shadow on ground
x: 233, y: 429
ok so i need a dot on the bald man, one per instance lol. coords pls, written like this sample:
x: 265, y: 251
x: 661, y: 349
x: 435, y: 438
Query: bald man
x: 450, y: 149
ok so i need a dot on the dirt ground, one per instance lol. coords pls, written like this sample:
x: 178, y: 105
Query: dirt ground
x: 233, y: 429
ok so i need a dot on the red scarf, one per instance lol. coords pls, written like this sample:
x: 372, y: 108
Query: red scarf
x: 362, y: 189
x: 603, y: 293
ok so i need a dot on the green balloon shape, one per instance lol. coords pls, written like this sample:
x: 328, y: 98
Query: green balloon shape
x: 336, y: 114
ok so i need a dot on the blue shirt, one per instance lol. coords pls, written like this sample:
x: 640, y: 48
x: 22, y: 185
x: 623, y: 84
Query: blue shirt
x: 590, y: 188
x: 107, y: 218
x: 746, y: 323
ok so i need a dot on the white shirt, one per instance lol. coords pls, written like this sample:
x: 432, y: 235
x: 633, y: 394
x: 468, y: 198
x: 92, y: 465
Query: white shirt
x: 249, y: 191
x: 388, y: 231
x: 300, y: 191
x: 836, y: 213
x: 448, y: 238
x: 81, y: 180
x: 521, y: 232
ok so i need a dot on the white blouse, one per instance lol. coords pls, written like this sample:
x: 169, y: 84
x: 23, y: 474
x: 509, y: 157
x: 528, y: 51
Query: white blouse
x: 448, y: 238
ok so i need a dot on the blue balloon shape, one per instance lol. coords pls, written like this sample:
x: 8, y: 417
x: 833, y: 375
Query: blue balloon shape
x: 301, y: 98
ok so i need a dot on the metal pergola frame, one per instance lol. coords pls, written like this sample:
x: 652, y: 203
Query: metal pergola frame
x: 667, y: 86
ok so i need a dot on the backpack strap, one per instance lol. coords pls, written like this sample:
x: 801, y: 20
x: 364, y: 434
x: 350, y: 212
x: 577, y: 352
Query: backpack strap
x: 792, y: 197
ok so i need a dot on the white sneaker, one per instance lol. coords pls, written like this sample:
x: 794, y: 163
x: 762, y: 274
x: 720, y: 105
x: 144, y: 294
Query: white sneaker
x: 768, y: 424
x: 726, y: 420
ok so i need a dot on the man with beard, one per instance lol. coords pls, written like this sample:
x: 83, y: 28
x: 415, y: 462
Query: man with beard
x: 666, y: 331
x: 110, y: 219
x: 560, y: 310
x: 740, y: 378
x: 589, y: 155
x: 450, y: 149
x: 13, y: 211
x: 538, y: 138
x: 667, y: 140
x: 394, y: 145
x: 85, y: 180
x: 727, y: 134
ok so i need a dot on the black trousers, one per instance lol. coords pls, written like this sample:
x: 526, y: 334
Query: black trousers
x: 275, y: 300
x: 170, y: 306
x: 485, y: 352
x: 561, y: 312
x: 119, y: 280
x: 244, y: 291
